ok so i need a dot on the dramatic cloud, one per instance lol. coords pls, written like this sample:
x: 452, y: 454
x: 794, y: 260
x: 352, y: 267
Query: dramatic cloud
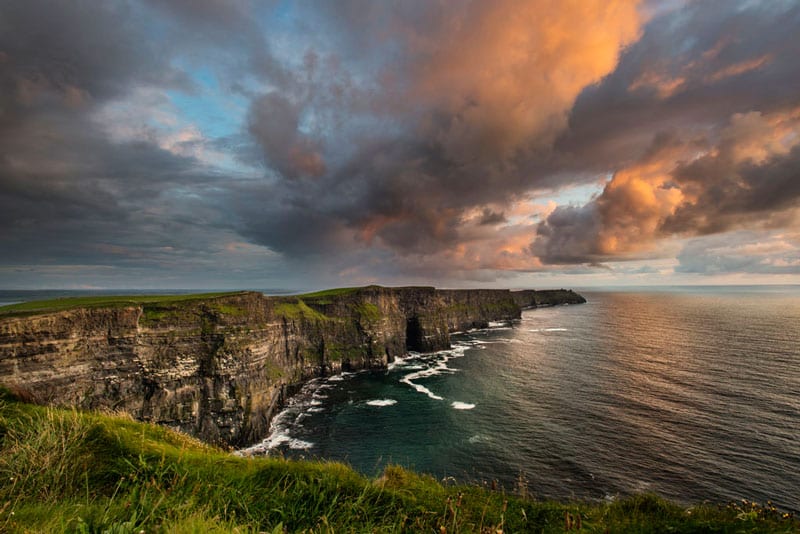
x: 749, y: 178
x: 241, y: 143
x: 76, y: 186
x: 701, y: 140
x: 468, y: 99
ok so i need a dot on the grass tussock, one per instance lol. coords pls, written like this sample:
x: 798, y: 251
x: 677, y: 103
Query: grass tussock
x: 69, y: 471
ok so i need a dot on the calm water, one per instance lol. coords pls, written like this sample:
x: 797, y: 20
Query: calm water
x: 693, y: 394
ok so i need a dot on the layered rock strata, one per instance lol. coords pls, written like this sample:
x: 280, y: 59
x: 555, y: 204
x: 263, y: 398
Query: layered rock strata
x: 219, y: 367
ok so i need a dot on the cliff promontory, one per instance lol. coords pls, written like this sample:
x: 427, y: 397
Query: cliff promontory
x: 219, y: 366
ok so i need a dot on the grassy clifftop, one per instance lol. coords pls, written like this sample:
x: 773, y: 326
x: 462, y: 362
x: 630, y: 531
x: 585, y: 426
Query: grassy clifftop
x: 103, y: 301
x: 71, y: 471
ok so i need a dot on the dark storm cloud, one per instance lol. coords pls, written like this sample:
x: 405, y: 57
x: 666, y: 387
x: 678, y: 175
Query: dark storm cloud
x: 430, y: 136
x: 697, y: 124
x: 489, y: 217
x: 392, y: 138
x: 67, y: 54
x: 274, y: 123
x: 65, y: 199
x: 211, y: 28
x: 69, y: 192
x: 693, y: 66
x: 732, y: 196
x: 569, y: 235
x: 749, y: 180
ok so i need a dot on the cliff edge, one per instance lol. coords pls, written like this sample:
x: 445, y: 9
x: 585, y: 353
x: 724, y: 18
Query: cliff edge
x: 219, y: 366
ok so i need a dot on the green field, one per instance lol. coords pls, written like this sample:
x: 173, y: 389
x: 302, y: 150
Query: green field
x: 69, y: 471
x: 336, y: 292
x: 104, y: 301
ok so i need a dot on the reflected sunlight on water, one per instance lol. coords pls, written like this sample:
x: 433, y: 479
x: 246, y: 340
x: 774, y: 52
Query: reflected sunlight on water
x: 693, y: 395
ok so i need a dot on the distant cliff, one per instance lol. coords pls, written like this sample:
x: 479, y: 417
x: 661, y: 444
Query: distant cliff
x: 218, y: 367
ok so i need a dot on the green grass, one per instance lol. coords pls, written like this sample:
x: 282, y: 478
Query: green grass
x: 70, y: 471
x: 233, y: 311
x: 336, y: 292
x: 105, y: 301
x: 367, y: 311
x: 299, y: 310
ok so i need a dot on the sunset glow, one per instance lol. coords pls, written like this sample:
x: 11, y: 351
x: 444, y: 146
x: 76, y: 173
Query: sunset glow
x: 301, y: 145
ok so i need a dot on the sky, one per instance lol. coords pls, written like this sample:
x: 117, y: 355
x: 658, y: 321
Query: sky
x: 303, y: 145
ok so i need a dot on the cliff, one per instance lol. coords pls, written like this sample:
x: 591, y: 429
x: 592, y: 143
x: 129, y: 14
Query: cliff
x: 218, y: 367
x: 529, y: 298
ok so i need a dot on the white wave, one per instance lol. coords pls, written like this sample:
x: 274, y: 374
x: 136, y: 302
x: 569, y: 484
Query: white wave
x: 299, y: 444
x: 462, y: 405
x: 479, y: 438
x: 399, y: 361
x: 315, y: 410
x: 335, y: 378
x: 382, y: 402
x: 547, y: 330
x: 425, y: 372
x: 422, y: 389
x: 437, y: 365
x: 407, y: 361
x: 273, y: 441
x: 299, y: 407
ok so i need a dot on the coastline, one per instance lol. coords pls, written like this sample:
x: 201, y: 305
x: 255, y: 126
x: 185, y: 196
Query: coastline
x: 220, y: 366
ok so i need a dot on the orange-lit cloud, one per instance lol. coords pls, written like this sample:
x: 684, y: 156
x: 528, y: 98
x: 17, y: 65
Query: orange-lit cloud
x: 739, y: 68
x: 368, y: 139
x: 670, y: 78
x: 505, y: 73
x: 664, y: 85
x: 686, y: 188
x: 633, y: 205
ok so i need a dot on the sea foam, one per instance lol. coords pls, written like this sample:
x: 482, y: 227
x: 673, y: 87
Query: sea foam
x: 440, y: 367
x: 382, y: 402
x: 422, y: 389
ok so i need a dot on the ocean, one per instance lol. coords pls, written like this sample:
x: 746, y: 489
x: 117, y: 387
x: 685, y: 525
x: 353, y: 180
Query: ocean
x: 691, y: 393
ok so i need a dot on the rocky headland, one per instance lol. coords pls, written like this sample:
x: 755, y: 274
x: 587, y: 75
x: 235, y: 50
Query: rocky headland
x: 219, y: 366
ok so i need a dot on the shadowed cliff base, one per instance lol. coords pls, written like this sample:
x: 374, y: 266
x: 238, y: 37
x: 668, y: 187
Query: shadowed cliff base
x: 219, y: 366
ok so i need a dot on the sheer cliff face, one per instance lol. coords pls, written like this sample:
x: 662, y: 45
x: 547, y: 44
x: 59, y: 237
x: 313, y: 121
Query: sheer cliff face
x: 218, y: 368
